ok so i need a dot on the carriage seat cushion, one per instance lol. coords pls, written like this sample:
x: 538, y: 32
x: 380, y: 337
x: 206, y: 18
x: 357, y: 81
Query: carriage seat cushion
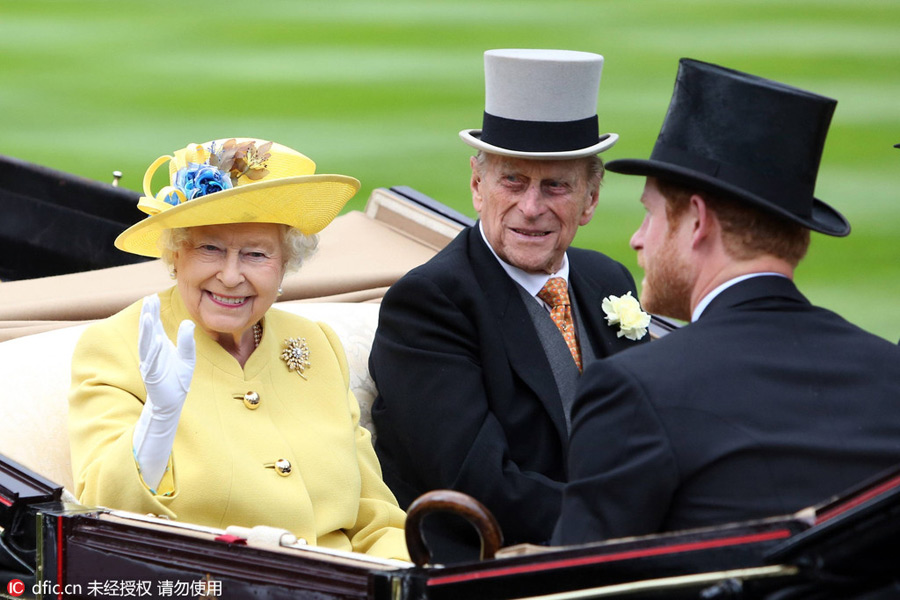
x: 35, y: 371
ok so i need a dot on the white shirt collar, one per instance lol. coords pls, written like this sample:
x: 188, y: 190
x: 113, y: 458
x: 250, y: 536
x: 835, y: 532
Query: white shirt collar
x: 698, y: 310
x: 532, y: 282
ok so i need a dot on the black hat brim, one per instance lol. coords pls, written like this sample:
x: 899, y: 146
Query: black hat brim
x: 824, y: 219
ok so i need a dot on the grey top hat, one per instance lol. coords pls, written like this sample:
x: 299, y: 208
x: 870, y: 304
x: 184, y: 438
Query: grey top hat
x: 748, y: 138
x: 540, y: 104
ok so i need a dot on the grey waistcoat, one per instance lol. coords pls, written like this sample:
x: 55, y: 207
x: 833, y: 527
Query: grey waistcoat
x: 565, y: 372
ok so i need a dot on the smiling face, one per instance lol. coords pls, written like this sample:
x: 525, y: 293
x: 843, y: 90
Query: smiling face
x: 531, y: 209
x: 228, y: 275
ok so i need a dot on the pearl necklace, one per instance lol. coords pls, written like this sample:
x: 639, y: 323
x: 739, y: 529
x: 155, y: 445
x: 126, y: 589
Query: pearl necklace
x: 257, y: 334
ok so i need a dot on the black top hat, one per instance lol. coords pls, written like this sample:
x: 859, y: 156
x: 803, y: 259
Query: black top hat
x: 744, y: 137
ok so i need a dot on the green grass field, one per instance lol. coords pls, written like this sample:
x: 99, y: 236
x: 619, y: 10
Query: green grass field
x: 379, y: 90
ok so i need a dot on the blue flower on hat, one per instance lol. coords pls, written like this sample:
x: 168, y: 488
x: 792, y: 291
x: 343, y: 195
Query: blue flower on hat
x: 197, y: 180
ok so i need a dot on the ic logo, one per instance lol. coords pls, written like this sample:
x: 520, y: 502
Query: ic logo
x: 15, y: 588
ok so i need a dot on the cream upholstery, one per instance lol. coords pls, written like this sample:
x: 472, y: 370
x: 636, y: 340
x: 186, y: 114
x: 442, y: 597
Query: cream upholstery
x: 35, y: 374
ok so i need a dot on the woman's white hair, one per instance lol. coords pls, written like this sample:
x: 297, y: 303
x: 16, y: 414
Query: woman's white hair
x: 296, y: 247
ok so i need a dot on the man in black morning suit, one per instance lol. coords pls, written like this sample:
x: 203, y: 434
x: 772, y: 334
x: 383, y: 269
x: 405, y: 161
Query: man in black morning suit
x: 475, y: 378
x: 764, y: 404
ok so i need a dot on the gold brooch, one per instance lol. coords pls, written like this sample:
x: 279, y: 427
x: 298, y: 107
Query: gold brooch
x: 296, y: 355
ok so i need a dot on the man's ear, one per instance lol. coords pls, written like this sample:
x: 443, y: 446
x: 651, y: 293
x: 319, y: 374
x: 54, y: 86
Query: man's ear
x: 590, y: 207
x: 704, y: 223
x: 475, y: 184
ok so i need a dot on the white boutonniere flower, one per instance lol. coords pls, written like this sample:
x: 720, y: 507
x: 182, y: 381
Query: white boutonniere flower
x: 625, y: 311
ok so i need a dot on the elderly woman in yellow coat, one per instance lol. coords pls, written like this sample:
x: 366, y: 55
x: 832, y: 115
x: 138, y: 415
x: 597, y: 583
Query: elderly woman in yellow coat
x: 205, y: 404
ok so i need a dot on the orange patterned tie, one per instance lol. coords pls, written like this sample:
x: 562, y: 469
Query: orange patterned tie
x: 556, y: 294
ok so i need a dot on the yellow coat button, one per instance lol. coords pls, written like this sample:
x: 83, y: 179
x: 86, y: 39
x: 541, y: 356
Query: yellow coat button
x: 251, y: 400
x: 282, y: 466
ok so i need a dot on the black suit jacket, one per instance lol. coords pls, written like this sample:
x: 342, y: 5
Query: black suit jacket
x: 467, y: 398
x: 765, y: 405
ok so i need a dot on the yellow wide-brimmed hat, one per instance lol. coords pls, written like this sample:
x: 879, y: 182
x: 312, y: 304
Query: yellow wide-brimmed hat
x: 238, y: 180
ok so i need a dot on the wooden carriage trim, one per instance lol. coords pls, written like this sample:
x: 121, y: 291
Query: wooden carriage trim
x: 617, y: 556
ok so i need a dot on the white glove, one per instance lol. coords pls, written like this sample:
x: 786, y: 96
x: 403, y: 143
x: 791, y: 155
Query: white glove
x: 167, y: 372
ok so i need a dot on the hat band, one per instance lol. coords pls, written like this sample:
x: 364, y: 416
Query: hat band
x: 790, y: 194
x: 539, y: 136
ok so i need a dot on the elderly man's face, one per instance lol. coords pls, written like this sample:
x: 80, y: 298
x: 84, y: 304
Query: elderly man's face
x: 228, y: 275
x: 531, y: 209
